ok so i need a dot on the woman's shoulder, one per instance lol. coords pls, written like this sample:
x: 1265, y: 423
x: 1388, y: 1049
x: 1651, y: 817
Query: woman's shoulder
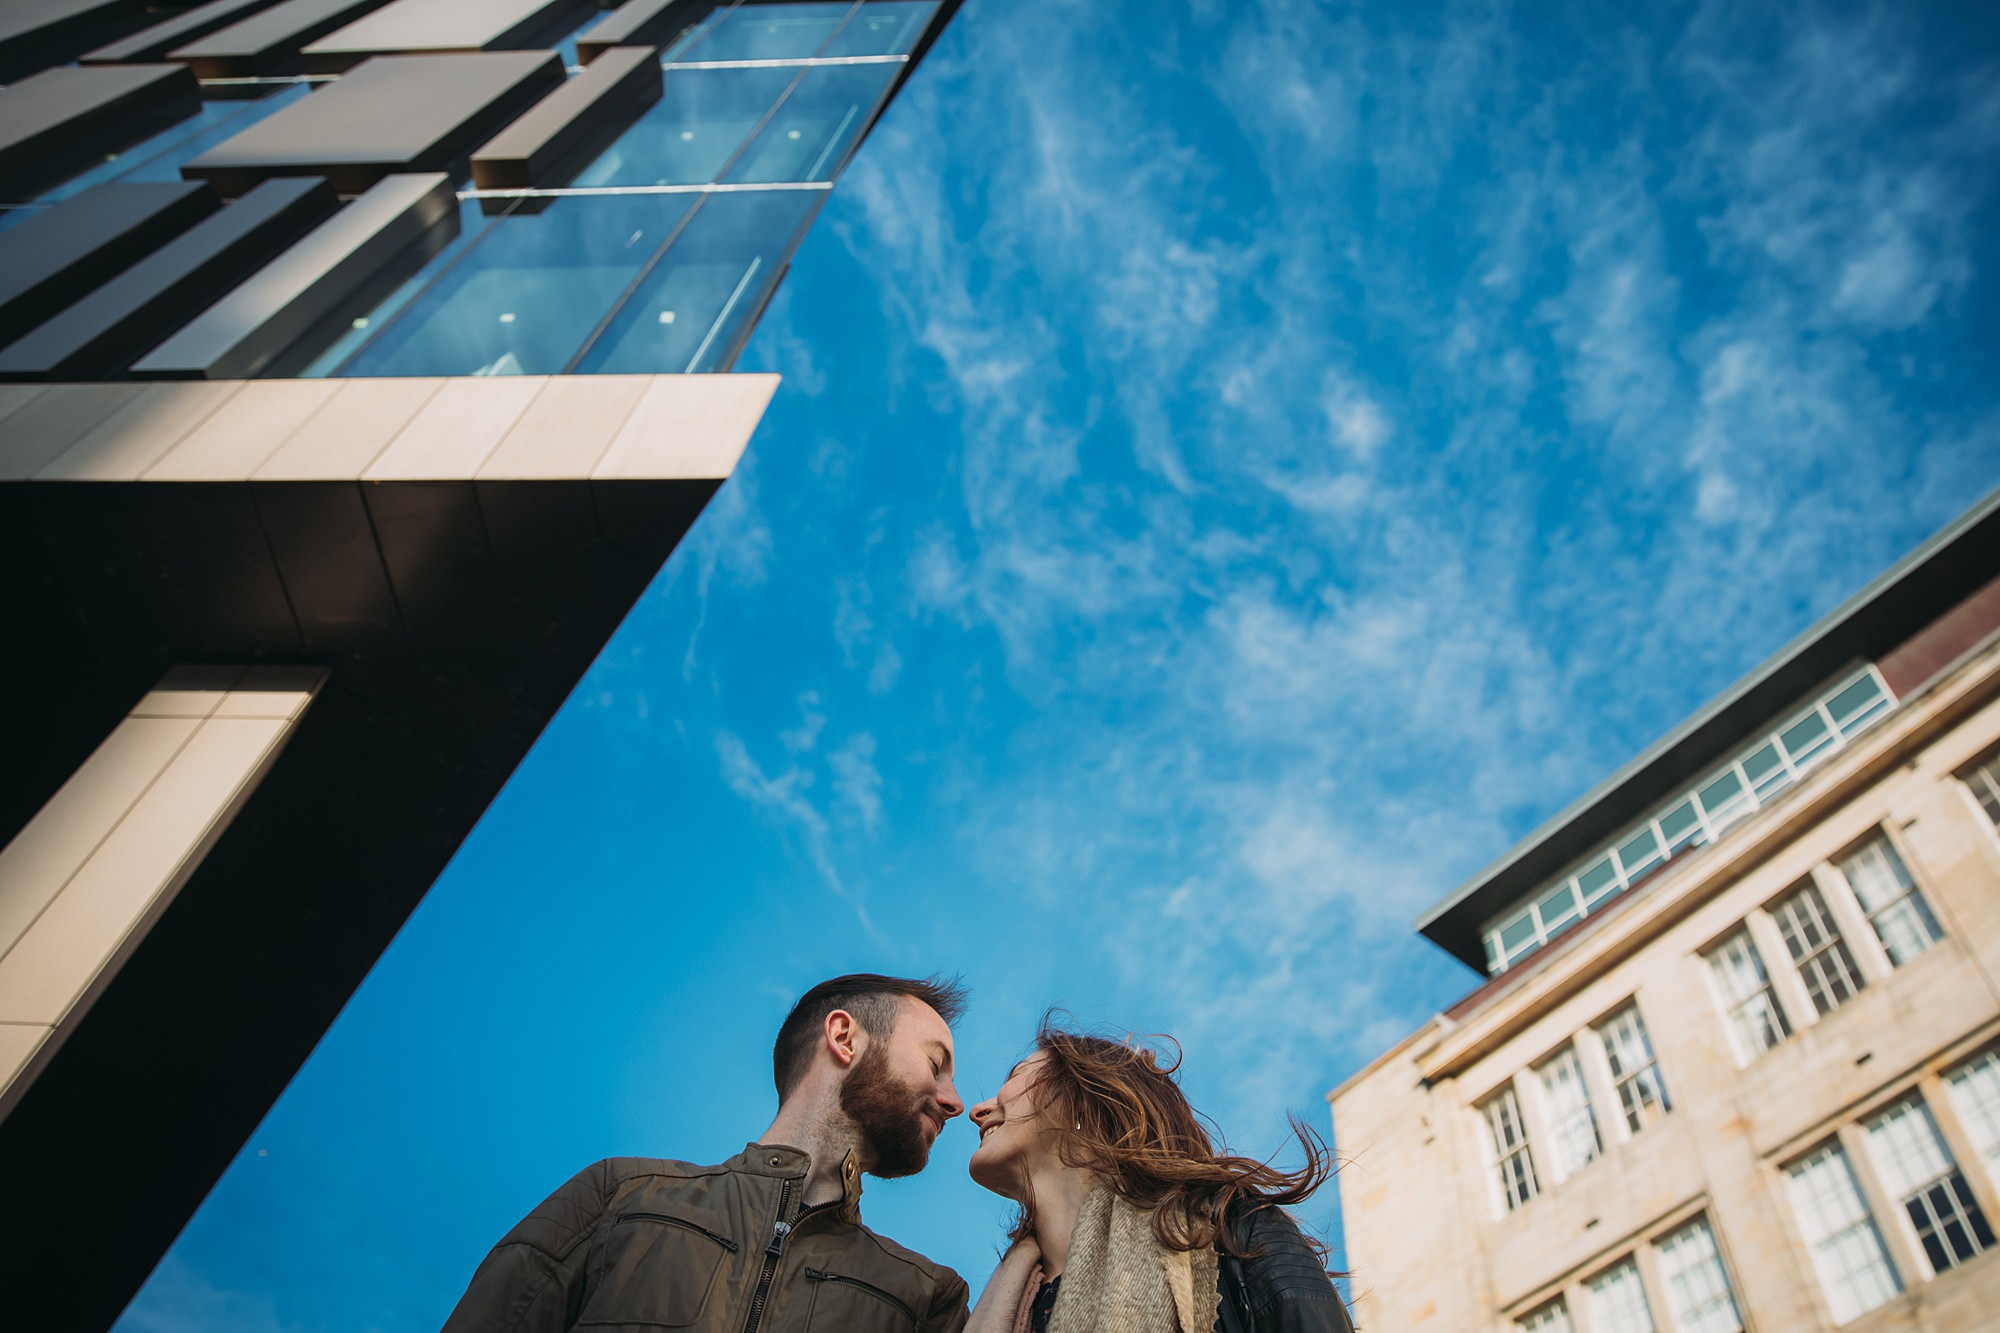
x: 1285, y: 1282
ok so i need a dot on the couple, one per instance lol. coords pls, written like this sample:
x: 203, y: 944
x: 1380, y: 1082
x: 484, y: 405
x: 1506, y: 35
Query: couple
x: 1130, y: 1222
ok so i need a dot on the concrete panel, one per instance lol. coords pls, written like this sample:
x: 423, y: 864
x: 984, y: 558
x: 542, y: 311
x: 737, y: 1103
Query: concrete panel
x: 142, y: 862
x: 570, y: 126
x: 18, y: 1044
x: 189, y: 691
x: 392, y: 114
x: 55, y: 257
x: 14, y: 397
x: 57, y: 418
x: 127, y: 316
x: 437, y: 26
x: 241, y: 333
x: 40, y: 34
x: 60, y: 121
x: 354, y: 426
x: 638, y: 23
x: 155, y: 42
x: 79, y: 817
x: 244, y: 432
x: 689, y: 426
x: 457, y: 430
x: 567, y: 428
x: 132, y: 438
x: 268, y: 42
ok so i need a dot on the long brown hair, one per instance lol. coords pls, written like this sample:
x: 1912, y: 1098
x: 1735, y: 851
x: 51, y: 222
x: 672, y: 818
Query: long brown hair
x: 1115, y: 1108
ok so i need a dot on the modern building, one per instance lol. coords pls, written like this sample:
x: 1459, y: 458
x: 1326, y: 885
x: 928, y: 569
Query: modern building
x: 1736, y: 1060
x: 358, y: 370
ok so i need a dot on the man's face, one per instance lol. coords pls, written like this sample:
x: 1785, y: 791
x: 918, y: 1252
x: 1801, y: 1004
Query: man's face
x: 899, y: 1091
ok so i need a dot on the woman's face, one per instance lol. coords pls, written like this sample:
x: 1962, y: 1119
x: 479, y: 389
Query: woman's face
x: 1012, y: 1134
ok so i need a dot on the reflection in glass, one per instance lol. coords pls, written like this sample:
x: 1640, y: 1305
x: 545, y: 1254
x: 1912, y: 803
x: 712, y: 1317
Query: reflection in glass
x: 882, y: 28
x: 472, y: 224
x: 689, y: 134
x: 695, y: 306
x: 527, y: 296
x: 160, y: 157
x: 811, y: 134
x: 769, y: 32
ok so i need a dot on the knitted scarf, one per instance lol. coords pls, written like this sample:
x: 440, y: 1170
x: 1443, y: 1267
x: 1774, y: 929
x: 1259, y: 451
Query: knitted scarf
x: 1119, y: 1279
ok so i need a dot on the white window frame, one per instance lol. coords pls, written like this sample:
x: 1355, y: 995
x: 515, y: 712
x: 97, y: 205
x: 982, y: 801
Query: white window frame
x: 1919, y: 1171
x: 1569, y: 1115
x: 1695, y: 1281
x: 1973, y: 1089
x: 1816, y: 948
x: 1607, y: 1299
x: 1912, y: 898
x: 1512, y: 1189
x: 1850, y: 1256
x: 1639, y: 1092
x: 1737, y: 1002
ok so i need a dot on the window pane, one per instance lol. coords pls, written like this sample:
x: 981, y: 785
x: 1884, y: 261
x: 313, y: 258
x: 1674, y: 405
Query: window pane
x: 1639, y: 853
x: 1857, y: 704
x: 1985, y: 784
x: 1598, y: 881
x: 882, y: 28
x: 1572, y: 1123
x: 1816, y: 948
x: 769, y: 32
x: 689, y: 135
x: 1635, y: 1071
x: 1618, y: 1301
x: 1917, y: 1167
x: 1756, y: 1021
x: 809, y: 137
x: 1682, y: 826
x: 1886, y: 891
x: 472, y: 223
x: 1975, y: 1095
x: 1807, y: 737
x: 1765, y: 769
x: 1513, y: 1162
x: 1559, y: 907
x: 1698, y: 1295
x: 1848, y: 1254
x: 1551, y: 1318
x: 523, y: 300
x: 1724, y: 799
x: 694, y: 305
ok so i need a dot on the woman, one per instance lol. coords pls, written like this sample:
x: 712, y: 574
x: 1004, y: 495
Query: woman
x: 1131, y: 1222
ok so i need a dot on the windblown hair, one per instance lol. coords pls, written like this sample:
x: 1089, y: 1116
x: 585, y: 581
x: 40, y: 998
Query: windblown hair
x: 1115, y: 1108
x: 873, y: 999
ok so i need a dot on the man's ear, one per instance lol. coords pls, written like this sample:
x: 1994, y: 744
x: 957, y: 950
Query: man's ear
x: 844, y: 1037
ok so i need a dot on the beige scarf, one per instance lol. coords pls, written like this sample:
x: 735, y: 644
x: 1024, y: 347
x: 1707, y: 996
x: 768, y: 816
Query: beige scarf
x: 1119, y: 1279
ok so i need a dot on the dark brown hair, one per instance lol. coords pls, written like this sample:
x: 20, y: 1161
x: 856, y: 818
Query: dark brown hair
x: 871, y: 998
x: 1115, y: 1108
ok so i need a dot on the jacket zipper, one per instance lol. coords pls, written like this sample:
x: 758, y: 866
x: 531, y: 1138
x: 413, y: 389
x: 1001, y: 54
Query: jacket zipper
x: 821, y: 1275
x: 772, y: 1253
x: 721, y: 1240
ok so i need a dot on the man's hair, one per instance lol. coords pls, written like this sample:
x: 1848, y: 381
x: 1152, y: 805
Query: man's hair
x: 873, y: 999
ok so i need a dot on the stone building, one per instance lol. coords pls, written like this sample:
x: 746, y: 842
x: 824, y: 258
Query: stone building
x: 1736, y: 1063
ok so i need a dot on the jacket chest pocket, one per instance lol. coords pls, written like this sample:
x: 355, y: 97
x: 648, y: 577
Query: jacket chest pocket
x: 654, y: 1269
x: 842, y: 1304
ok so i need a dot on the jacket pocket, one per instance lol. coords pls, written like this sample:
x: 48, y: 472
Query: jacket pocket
x: 654, y: 1270
x: 843, y: 1304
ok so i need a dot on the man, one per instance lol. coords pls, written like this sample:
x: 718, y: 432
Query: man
x: 771, y: 1240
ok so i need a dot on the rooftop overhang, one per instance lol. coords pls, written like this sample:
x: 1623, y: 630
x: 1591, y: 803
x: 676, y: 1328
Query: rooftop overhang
x: 1913, y: 593
x: 453, y: 554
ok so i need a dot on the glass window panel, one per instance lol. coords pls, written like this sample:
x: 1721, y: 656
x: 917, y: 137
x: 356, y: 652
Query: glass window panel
x: 527, y: 296
x: 1572, y: 1121
x: 1551, y: 1318
x: 1857, y: 703
x: 1807, y: 737
x: 472, y: 223
x: 1640, y: 853
x: 1559, y: 907
x: 1896, y: 908
x: 1985, y: 784
x: 1756, y: 1021
x: 1517, y: 932
x: 1514, y: 1163
x: 1618, y: 1301
x: 1848, y: 1254
x: 1724, y: 798
x: 1699, y: 1298
x: 1635, y: 1070
x: 160, y: 157
x: 1975, y: 1095
x: 769, y: 32
x: 1813, y: 940
x: 1765, y: 768
x: 1917, y: 1167
x: 810, y: 136
x: 689, y: 135
x: 1598, y: 881
x: 695, y: 305
x: 1682, y: 826
x: 882, y: 28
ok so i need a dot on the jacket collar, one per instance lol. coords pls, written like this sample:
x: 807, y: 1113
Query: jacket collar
x: 783, y: 1162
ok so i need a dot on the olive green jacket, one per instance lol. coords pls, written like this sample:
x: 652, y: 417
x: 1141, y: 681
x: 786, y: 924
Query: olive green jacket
x: 640, y: 1243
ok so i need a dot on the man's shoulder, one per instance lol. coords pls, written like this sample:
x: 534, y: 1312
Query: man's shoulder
x: 619, y: 1170
x: 942, y: 1274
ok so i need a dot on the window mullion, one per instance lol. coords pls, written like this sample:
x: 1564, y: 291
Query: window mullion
x: 1845, y: 908
x: 1898, y: 1235
x: 1611, y: 1126
x: 1793, y: 997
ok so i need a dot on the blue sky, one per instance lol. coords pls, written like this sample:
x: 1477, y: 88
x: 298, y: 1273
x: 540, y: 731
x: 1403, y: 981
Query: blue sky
x: 1238, y: 469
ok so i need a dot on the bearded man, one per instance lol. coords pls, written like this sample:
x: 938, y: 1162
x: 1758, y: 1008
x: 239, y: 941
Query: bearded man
x: 771, y: 1240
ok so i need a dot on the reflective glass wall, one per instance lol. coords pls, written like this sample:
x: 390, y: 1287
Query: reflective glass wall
x: 660, y: 253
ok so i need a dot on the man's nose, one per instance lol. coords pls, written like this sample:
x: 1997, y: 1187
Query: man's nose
x: 949, y: 1101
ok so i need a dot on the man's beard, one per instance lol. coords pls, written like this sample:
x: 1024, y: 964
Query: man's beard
x: 890, y: 1115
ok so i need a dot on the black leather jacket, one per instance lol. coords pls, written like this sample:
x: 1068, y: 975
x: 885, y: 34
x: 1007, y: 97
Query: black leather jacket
x: 1284, y: 1289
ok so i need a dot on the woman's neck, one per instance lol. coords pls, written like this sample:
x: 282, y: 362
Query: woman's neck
x: 1059, y: 1193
